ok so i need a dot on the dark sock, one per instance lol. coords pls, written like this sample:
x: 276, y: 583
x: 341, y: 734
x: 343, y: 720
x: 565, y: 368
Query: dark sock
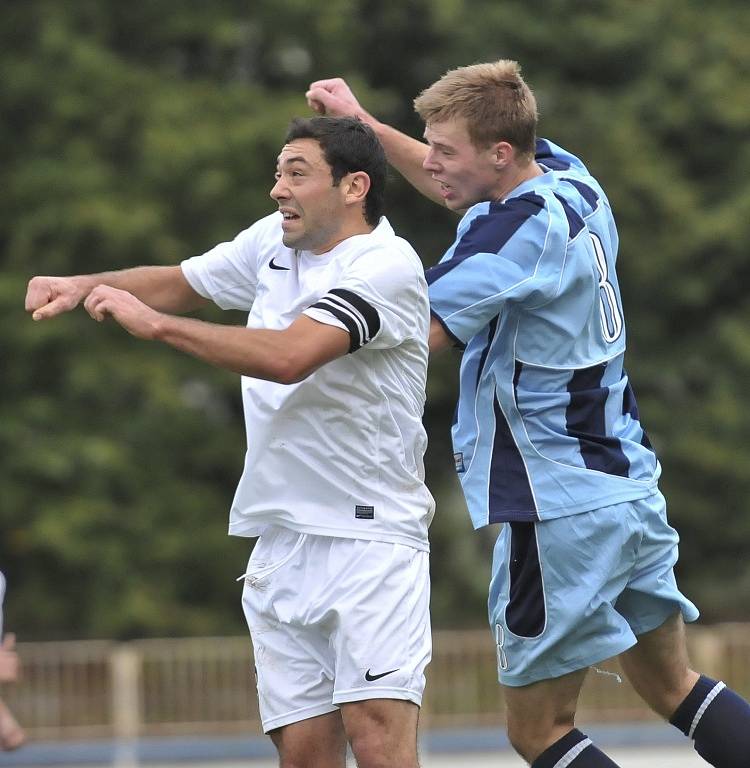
x: 719, y: 722
x: 574, y: 750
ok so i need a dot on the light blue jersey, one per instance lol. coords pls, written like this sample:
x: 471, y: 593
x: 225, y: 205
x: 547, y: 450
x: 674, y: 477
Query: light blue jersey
x: 547, y: 424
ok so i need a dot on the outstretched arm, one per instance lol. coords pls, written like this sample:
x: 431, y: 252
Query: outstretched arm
x: 286, y: 356
x: 334, y: 97
x: 163, y: 288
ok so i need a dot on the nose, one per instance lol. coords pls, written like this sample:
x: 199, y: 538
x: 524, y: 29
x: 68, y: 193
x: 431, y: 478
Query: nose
x: 279, y: 190
x: 429, y: 163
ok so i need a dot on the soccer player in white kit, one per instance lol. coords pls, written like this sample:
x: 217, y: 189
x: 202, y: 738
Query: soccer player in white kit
x: 333, y: 363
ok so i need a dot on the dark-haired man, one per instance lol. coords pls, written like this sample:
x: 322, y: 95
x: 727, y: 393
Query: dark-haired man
x: 333, y: 363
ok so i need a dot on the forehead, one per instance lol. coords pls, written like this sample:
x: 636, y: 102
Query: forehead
x: 303, y: 150
x: 450, y: 133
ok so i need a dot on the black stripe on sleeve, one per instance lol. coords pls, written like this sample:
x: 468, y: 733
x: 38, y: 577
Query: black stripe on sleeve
x: 353, y: 313
x: 355, y: 334
x: 368, y: 312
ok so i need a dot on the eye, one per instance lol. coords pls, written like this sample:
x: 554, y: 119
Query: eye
x: 277, y: 175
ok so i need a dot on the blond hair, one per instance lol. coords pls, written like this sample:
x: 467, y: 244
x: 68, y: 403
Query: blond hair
x: 493, y: 99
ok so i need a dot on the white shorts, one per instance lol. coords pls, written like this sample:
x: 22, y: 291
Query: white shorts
x: 335, y: 620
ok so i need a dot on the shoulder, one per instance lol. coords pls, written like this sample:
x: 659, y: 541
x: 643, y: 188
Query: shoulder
x: 383, y: 251
x: 268, y: 229
x: 490, y: 226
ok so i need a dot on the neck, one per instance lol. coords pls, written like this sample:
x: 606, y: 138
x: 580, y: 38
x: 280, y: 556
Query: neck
x: 517, y: 175
x: 360, y: 227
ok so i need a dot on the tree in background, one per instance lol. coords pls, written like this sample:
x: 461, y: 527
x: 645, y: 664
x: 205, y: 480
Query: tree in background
x: 146, y: 132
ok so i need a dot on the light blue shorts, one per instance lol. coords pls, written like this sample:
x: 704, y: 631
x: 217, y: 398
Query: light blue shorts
x: 571, y: 592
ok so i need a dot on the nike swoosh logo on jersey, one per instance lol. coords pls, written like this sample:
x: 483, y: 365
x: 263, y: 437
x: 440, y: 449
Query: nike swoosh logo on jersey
x: 274, y: 265
x: 370, y: 677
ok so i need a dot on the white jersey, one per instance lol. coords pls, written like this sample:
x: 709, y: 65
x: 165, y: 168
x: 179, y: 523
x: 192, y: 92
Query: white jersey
x: 340, y: 453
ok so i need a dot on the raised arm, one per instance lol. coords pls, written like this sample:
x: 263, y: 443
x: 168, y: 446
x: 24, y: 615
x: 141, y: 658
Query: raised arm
x: 162, y: 288
x: 405, y: 154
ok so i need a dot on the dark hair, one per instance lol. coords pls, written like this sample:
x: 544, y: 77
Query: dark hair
x: 348, y: 145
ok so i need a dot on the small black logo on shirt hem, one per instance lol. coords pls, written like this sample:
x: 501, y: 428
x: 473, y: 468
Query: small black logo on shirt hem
x: 370, y: 677
x: 274, y: 265
x: 362, y: 512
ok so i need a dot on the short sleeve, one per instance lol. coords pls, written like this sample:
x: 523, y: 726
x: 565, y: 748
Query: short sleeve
x: 381, y: 300
x: 504, y: 252
x: 228, y: 273
x: 558, y: 159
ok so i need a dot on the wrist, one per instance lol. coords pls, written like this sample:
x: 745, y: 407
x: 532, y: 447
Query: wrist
x: 84, y: 284
x: 160, y: 327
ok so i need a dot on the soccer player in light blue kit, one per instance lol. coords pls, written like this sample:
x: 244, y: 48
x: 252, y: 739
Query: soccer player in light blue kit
x: 548, y: 438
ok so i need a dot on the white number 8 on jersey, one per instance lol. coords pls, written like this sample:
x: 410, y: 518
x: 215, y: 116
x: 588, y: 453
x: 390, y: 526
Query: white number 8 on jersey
x: 609, y: 309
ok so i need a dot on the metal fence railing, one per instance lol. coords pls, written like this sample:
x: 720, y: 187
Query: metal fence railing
x: 151, y: 688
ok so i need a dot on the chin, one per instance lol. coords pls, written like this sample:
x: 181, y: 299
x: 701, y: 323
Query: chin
x: 291, y: 242
x: 456, y: 205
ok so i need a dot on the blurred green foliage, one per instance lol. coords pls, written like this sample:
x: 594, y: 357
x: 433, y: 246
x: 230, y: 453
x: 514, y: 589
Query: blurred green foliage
x: 143, y: 133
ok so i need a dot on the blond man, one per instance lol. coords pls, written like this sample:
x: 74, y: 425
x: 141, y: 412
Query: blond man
x: 548, y: 439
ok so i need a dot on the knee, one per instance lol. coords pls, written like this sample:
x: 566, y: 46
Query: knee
x: 530, y: 737
x: 373, y: 749
x: 523, y: 741
x: 319, y: 753
x: 369, y: 750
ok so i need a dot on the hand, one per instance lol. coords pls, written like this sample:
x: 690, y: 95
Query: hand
x: 9, y: 663
x: 334, y: 97
x: 50, y: 296
x: 131, y: 313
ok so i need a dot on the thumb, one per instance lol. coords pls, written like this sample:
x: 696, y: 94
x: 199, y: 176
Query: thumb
x: 9, y: 641
x: 55, y: 307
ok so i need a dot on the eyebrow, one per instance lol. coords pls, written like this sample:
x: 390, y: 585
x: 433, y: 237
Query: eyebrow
x: 439, y: 144
x: 290, y: 160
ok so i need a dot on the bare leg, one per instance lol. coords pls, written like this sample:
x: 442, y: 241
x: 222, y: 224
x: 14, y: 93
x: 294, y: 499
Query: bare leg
x: 382, y: 732
x: 318, y: 742
x: 542, y: 713
x: 658, y: 667
x: 12, y: 735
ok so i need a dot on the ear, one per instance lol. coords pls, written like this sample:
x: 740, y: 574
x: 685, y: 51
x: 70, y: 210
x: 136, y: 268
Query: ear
x: 502, y: 154
x: 356, y: 187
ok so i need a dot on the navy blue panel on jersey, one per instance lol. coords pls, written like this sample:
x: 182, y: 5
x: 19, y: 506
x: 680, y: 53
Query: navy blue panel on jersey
x: 485, y: 351
x: 586, y: 192
x: 575, y: 222
x: 488, y: 233
x: 585, y: 420
x: 516, y: 377
x: 525, y: 615
x: 630, y: 407
x: 544, y: 155
x: 510, y: 490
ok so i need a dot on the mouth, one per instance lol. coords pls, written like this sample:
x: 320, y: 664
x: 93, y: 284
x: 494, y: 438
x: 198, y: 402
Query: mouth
x: 288, y: 216
x: 445, y: 189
